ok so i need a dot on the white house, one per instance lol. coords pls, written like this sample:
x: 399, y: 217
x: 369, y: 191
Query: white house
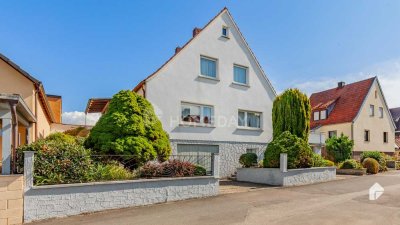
x: 212, y: 95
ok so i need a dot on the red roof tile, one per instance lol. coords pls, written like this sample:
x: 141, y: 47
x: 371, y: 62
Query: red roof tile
x: 347, y: 100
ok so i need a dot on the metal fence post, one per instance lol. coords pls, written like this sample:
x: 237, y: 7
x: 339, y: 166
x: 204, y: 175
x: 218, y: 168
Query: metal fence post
x: 28, y: 169
x: 283, y: 162
x: 215, y: 165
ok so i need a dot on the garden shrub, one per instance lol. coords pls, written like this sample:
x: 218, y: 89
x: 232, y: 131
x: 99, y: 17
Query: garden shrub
x: 58, y: 160
x: 105, y: 172
x: 130, y: 127
x: 171, y: 168
x: 318, y: 161
x: 378, y: 156
x: 298, y: 152
x: 291, y: 112
x: 328, y: 162
x: 350, y: 164
x: 200, y: 171
x: 339, y: 148
x: 248, y: 160
x: 372, y: 165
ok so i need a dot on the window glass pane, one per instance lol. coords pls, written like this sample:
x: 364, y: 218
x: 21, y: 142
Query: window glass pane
x: 371, y: 110
x: 253, y: 120
x: 316, y: 115
x: 332, y: 134
x: 239, y: 75
x: 191, y: 113
x: 323, y: 114
x: 224, y: 31
x: 208, y: 67
x: 241, y: 119
x: 381, y: 112
x: 251, y: 150
x: 207, y: 114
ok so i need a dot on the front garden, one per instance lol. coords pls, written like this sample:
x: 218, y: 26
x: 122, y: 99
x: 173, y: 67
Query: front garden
x: 128, y: 142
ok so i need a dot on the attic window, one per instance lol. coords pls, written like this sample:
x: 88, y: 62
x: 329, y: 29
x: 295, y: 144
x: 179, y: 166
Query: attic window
x: 316, y: 116
x: 225, y: 31
x: 323, y: 115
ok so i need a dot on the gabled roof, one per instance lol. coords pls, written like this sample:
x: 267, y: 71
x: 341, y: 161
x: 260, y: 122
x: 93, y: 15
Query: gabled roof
x: 396, y: 118
x: 348, y: 101
x: 38, y: 84
x: 225, y: 9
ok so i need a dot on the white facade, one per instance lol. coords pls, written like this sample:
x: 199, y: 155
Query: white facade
x: 179, y: 81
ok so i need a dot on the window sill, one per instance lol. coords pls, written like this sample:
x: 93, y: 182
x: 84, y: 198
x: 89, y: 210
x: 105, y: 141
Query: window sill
x: 226, y: 37
x: 188, y: 124
x: 240, y: 84
x: 250, y: 129
x: 209, y: 78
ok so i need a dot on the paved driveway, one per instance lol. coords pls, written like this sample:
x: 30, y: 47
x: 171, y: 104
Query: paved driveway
x: 337, y: 202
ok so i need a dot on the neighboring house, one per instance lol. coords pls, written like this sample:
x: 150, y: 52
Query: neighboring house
x: 357, y: 110
x: 211, y: 96
x: 396, y: 118
x: 26, y: 112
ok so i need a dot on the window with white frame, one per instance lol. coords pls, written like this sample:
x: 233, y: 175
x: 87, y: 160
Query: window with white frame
x: 208, y: 67
x: 381, y: 112
x: 249, y: 119
x: 225, y: 31
x: 240, y: 74
x: 371, y: 110
x: 316, y: 116
x: 323, y: 115
x: 194, y: 113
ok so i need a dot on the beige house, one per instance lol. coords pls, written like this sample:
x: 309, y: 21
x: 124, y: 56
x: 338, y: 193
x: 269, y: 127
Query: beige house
x: 26, y: 112
x: 357, y: 110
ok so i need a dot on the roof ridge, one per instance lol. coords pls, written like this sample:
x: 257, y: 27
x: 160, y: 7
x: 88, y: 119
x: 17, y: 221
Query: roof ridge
x: 356, y: 82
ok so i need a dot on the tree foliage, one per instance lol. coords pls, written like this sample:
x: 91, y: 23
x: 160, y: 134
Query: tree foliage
x: 291, y: 112
x: 130, y: 127
x: 298, y: 151
x: 339, y: 148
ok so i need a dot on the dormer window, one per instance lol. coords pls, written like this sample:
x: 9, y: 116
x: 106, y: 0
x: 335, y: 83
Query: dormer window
x: 225, y: 31
x: 323, y: 115
x: 316, y: 116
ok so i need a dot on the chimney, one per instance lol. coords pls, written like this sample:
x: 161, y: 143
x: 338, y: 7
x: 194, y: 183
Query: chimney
x: 341, y: 84
x: 196, y: 31
x: 178, y: 49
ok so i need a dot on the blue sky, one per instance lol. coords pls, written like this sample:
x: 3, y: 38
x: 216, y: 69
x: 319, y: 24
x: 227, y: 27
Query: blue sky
x: 83, y: 49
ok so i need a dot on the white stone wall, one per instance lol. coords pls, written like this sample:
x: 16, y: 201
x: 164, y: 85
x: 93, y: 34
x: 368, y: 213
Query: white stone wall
x: 50, y: 201
x: 229, y: 153
x: 294, y: 177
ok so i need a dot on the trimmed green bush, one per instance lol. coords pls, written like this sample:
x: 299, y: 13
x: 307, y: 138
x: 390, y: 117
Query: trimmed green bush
x: 318, y: 161
x: 170, y: 168
x: 328, y: 162
x: 350, y: 164
x: 200, y: 171
x: 130, y: 127
x: 298, y: 151
x: 58, y: 161
x: 248, y: 160
x: 111, y: 172
x: 372, y: 165
x: 291, y: 112
x: 378, y: 156
x: 339, y: 148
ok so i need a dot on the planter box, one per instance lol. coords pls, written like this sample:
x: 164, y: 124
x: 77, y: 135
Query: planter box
x: 357, y: 172
x: 293, y: 177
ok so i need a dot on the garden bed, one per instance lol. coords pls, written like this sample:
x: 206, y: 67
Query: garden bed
x: 292, y: 177
x: 356, y: 172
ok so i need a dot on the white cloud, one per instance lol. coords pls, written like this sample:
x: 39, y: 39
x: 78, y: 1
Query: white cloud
x: 78, y: 118
x: 388, y: 74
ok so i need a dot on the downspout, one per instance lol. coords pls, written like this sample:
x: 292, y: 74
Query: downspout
x: 352, y: 135
x: 37, y: 86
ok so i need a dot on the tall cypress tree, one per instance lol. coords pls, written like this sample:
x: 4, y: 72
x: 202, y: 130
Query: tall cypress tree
x: 291, y: 112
